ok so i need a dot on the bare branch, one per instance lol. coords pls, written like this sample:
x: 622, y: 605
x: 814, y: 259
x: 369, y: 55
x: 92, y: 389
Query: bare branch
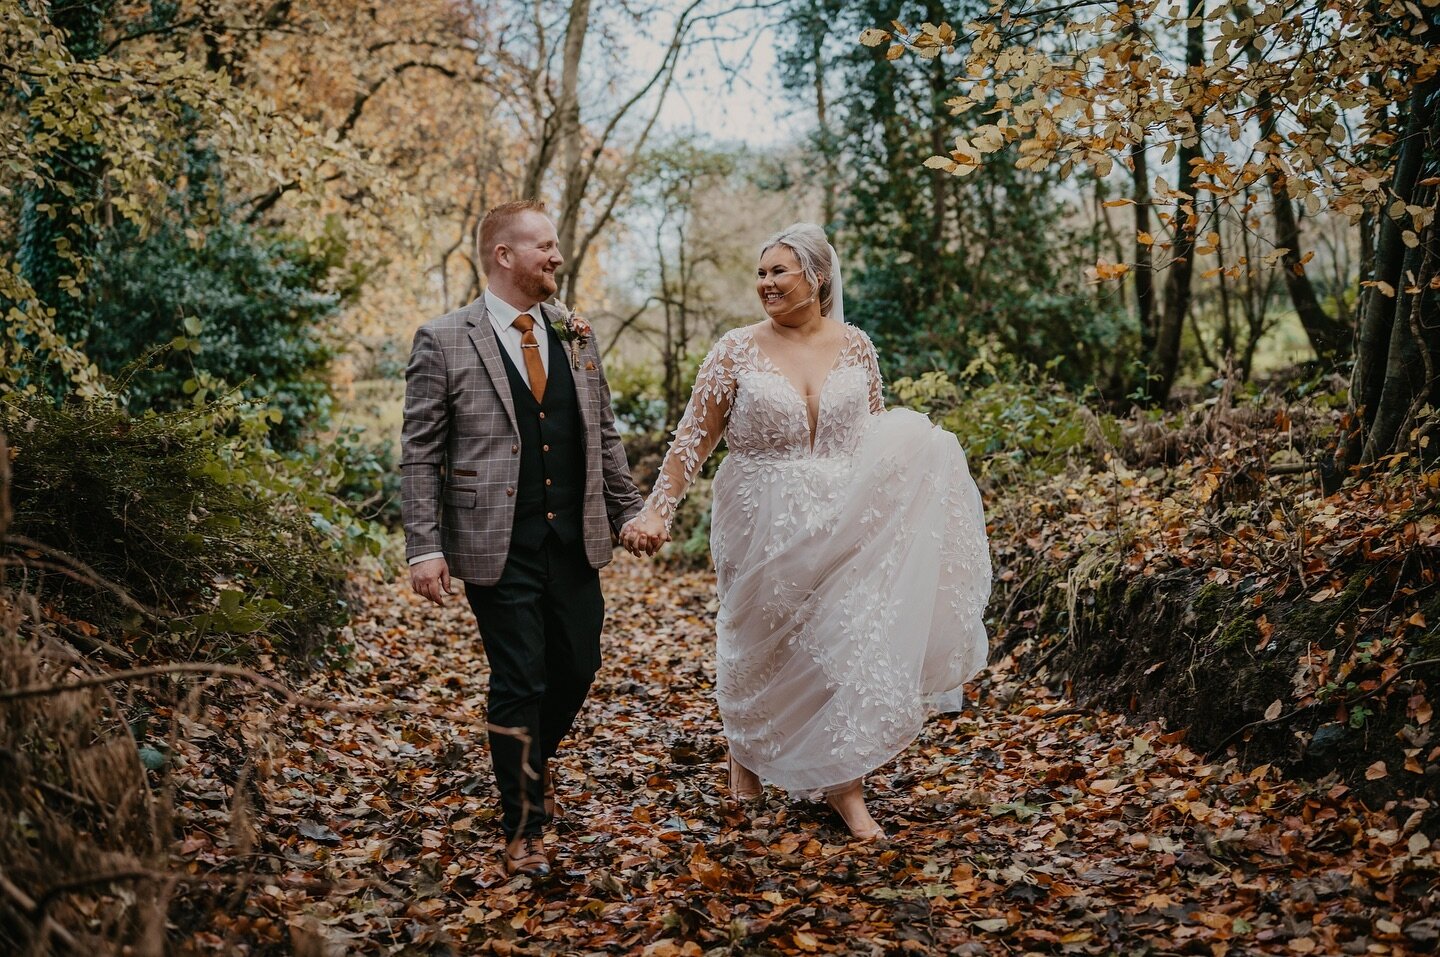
x: 262, y: 204
x: 81, y: 572
x: 358, y: 106
x: 625, y: 324
x: 152, y: 32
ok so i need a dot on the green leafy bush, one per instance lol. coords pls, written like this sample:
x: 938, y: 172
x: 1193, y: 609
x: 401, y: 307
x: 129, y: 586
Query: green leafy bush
x: 233, y: 547
x: 637, y: 397
x: 251, y: 306
x: 1010, y: 418
x: 362, y: 471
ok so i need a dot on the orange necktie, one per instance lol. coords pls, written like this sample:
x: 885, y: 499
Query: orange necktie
x: 534, y: 368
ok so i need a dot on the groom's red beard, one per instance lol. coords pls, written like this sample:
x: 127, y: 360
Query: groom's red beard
x: 541, y: 287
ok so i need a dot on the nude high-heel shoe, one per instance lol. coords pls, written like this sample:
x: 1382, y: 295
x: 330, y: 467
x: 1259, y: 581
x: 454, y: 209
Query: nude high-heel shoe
x: 746, y: 791
x: 849, y: 802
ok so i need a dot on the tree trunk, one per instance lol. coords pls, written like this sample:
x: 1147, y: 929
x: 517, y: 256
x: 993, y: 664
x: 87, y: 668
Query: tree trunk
x: 1164, y: 361
x: 1414, y: 341
x: 1144, y: 252
x: 669, y: 362
x: 941, y: 182
x: 1228, y: 338
x: 830, y: 183
x: 581, y: 165
x: 1330, y: 336
x: 1384, y: 382
x: 561, y: 126
x: 569, y: 132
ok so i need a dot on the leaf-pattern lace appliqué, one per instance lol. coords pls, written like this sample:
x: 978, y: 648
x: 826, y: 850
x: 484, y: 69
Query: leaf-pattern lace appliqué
x: 852, y: 571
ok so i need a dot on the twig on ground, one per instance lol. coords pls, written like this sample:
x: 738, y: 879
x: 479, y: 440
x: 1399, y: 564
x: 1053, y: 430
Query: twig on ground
x: 241, y: 673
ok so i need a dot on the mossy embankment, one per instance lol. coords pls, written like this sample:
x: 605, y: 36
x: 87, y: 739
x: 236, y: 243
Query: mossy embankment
x: 1194, y: 570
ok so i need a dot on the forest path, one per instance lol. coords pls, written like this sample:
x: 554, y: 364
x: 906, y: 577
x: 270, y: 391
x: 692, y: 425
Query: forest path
x: 1023, y: 825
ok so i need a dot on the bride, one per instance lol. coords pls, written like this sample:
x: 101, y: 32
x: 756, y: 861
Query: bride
x: 849, y: 543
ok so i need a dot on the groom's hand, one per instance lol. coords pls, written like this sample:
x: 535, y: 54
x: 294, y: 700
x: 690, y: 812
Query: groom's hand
x: 630, y: 540
x: 644, y: 534
x: 431, y: 578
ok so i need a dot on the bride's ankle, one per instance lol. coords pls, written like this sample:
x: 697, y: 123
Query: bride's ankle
x: 744, y: 783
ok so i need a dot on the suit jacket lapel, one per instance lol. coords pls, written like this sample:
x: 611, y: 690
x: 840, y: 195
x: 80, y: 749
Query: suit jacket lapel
x: 583, y: 395
x: 482, y: 334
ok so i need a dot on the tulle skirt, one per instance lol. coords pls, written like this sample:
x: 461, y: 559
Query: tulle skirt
x: 852, y: 590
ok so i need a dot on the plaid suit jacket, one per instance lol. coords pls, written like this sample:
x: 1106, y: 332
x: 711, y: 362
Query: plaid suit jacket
x: 460, y: 417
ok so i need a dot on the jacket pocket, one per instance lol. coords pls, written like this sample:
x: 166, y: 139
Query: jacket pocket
x: 460, y: 497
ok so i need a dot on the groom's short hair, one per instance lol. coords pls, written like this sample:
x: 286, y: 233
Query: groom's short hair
x: 496, y: 221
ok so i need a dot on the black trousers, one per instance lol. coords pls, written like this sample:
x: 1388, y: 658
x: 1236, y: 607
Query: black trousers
x: 540, y: 624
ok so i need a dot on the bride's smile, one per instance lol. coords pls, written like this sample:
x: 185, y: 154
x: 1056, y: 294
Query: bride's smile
x: 789, y: 296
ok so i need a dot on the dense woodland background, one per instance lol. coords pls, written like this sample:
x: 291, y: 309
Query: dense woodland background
x: 1169, y: 270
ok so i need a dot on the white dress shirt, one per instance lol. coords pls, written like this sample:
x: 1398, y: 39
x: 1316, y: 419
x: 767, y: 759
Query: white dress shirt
x: 502, y: 317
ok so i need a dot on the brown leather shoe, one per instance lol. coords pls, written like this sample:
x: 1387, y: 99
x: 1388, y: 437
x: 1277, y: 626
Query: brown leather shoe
x: 526, y: 855
x: 553, y: 810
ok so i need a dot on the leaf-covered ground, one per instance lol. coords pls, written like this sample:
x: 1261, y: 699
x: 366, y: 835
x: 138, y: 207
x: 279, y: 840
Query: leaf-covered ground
x: 1024, y: 825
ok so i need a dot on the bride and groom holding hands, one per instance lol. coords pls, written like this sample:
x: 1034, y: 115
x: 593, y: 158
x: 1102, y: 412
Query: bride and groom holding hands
x: 849, y: 541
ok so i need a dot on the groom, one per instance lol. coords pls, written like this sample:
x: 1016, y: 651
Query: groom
x: 513, y: 480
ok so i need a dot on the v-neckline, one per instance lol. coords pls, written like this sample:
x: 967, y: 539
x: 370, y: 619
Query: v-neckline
x: 805, y: 399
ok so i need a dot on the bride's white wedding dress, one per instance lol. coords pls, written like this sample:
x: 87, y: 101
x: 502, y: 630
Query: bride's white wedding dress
x: 852, y: 565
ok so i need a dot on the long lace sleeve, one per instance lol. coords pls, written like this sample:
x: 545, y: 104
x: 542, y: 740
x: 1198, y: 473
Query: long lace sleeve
x: 700, y: 430
x: 871, y: 362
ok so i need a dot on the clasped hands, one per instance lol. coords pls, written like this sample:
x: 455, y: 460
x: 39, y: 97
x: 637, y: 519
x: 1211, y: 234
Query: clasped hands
x: 644, y: 534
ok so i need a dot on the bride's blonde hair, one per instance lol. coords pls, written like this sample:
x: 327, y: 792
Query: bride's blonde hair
x: 807, y: 241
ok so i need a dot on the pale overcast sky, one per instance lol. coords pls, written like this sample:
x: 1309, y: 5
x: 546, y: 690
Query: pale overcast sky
x: 708, y: 100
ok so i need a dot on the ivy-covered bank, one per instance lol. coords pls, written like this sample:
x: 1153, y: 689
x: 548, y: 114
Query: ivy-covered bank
x: 1192, y: 568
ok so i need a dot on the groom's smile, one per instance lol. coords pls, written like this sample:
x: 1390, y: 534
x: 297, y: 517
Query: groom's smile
x: 532, y: 256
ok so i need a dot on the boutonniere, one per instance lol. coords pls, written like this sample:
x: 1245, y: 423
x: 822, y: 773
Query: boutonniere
x: 572, y: 329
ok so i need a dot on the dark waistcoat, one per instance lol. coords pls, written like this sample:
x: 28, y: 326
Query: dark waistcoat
x: 551, y: 492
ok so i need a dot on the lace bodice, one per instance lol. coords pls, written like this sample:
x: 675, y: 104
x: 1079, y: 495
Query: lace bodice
x: 742, y: 396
